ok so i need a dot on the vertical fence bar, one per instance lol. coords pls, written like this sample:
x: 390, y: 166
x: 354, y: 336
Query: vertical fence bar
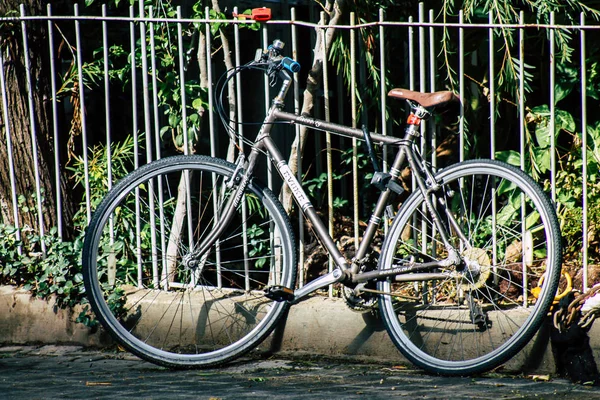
x: 411, y: 54
x: 492, y: 93
x: 424, y: 124
x: 411, y: 81
x: 240, y: 131
x: 9, y: 151
x: 552, y: 74
x: 184, y: 127
x: 383, y: 94
x: 32, y: 127
x: 238, y: 83
x: 106, y: 99
x: 213, y: 137
x: 82, y: 114
x: 154, y: 92
x: 148, y: 137
x: 422, y: 73
x: 461, y: 85
x: 109, y: 177
x: 584, y: 170
x: 209, y: 71
x: 524, y: 250
x: 134, y: 127
x: 492, y: 101
x: 522, y: 89
x: 354, y: 123
x: 136, y: 145
x: 323, y: 33
x: 383, y: 86
x: 433, y: 127
x: 267, y: 104
x: 57, y: 178
x: 432, y: 77
x: 265, y: 37
x: 297, y: 105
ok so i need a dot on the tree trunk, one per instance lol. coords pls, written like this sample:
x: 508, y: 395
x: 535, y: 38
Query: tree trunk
x: 20, y: 126
x: 231, y: 96
x: 334, y: 12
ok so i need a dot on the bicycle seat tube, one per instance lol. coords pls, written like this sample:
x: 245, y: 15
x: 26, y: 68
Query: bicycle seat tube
x: 428, y: 185
x: 411, y: 132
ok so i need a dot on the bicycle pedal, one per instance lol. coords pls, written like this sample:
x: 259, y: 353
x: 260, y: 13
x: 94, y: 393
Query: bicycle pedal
x: 279, y: 293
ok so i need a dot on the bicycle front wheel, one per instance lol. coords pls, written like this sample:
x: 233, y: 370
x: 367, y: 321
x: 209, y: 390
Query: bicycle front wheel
x: 473, y: 317
x: 151, y: 289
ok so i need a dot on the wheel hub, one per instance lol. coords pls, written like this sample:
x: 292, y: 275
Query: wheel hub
x: 191, y: 263
x: 477, y: 268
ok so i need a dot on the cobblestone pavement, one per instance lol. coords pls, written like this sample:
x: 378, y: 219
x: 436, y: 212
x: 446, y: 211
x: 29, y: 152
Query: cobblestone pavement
x: 63, y: 372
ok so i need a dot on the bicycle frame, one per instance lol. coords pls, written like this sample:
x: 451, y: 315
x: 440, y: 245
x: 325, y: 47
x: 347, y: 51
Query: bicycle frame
x: 345, y: 272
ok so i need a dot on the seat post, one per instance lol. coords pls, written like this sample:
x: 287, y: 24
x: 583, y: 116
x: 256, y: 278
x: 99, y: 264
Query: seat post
x: 417, y: 114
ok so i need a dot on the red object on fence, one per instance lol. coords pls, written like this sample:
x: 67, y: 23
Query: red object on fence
x: 261, y: 14
x: 258, y: 14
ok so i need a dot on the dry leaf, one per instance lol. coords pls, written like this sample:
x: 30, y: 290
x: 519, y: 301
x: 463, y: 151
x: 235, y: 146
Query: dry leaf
x: 544, y: 378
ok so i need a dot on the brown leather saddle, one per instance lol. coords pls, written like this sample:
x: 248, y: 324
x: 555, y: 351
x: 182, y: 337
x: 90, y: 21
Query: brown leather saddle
x: 426, y: 100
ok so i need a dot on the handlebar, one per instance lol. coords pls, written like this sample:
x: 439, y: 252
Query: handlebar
x: 275, y: 61
x: 290, y: 64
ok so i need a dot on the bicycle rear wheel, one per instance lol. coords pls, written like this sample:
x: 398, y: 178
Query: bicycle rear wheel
x: 474, y: 317
x: 159, y: 299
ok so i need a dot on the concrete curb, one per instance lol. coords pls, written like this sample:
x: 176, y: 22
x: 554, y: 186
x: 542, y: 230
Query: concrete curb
x: 316, y: 326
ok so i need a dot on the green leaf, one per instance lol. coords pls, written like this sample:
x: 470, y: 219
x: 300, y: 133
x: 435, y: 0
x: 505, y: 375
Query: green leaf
x: 174, y: 120
x: 506, y: 215
x: 542, y: 128
x: 542, y: 159
x: 164, y: 130
x: 564, y: 120
x: 198, y: 104
x: 532, y: 219
x: 561, y: 90
x: 511, y: 157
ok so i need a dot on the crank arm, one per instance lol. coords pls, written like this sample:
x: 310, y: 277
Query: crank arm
x: 334, y: 276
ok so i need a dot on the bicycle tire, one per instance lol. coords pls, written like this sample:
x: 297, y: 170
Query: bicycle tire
x: 474, y: 320
x: 171, y: 308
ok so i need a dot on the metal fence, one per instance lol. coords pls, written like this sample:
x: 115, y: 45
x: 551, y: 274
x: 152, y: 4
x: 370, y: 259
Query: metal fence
x: 423, y: 64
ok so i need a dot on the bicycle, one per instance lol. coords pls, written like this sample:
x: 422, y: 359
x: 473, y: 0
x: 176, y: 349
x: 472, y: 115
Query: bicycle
x: 190, y: 261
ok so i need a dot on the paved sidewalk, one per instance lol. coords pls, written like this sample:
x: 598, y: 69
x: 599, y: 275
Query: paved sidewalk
x: 55, y: 372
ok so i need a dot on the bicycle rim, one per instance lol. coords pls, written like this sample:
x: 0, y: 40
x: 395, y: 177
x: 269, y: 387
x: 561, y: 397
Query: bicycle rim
x: 474, y: 317
x: 159, y: 299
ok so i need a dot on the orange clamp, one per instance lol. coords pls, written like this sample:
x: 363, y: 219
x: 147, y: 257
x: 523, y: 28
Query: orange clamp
x: 413, y: 120
x: 258, y: 14
x: 261, y: 14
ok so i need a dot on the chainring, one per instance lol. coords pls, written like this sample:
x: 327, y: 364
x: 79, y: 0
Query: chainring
x: 365, y: 302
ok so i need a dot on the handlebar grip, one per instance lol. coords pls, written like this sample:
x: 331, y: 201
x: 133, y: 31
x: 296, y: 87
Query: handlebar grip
x: 290, y: 64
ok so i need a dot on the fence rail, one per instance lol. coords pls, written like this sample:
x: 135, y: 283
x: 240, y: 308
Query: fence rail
x: 413, y: 54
